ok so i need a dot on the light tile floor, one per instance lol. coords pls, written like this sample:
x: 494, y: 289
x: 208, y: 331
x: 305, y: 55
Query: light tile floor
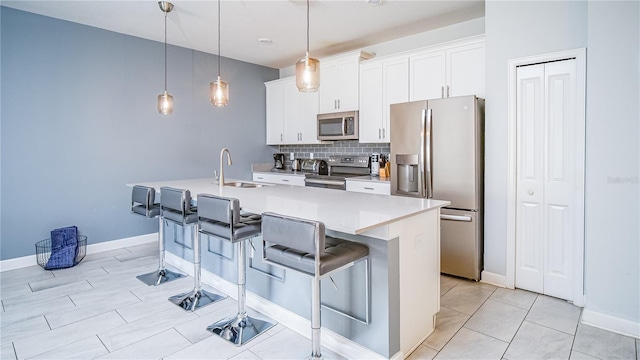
x: 99, y: 310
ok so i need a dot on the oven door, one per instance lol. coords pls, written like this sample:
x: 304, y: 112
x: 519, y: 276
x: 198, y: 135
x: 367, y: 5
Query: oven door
x: 326, y: 182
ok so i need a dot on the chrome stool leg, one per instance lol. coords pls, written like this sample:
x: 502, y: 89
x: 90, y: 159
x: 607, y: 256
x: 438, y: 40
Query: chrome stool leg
x: 197, y: 297
x: 241, y: 328
x: 162, y: 275
x: 315, y: 318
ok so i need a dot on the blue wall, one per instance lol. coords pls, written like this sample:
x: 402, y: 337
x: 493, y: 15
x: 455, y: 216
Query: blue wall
x: 79, y: 121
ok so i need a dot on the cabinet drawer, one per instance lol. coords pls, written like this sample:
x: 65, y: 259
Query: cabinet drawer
x: 369, y: 187
x: 279, y: 179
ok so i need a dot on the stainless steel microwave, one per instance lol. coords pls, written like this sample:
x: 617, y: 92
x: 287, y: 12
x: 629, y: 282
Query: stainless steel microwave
x: 338, y: 126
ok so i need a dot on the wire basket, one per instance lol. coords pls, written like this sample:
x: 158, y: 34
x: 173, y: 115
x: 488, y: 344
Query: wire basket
x: 43, y: 252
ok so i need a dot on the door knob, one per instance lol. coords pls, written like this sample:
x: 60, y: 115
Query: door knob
x: 530, y: 192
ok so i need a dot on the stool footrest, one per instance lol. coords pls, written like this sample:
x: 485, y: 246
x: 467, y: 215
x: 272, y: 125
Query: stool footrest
x: 159, y: 277
x: 240, y: 329
x: 195, y: 299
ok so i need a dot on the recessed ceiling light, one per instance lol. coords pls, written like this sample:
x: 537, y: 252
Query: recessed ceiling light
x: 374, y: 2
x: 264, y: 40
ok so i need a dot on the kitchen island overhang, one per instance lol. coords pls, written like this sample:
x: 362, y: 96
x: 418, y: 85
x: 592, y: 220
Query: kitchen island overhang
x: 391, y: 317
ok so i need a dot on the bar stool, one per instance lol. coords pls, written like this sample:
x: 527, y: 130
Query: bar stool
x: 143, y: 203
x: 220, y: 217
x: 301, y: 245
x: 175, y: 206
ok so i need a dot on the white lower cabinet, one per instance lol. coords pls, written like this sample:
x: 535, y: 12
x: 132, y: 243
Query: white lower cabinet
x: 282, y: 179
x: 369, y: 187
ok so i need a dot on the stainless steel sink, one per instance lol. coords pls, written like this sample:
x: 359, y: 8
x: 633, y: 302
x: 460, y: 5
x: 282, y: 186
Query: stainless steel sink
x: 243, y: 184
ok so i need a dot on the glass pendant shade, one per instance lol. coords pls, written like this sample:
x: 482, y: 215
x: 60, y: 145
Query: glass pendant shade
x: 308, y: 74
x: 165, y: 103
x: 219, y: 92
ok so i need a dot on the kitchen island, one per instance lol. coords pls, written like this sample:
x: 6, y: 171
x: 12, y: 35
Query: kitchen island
x: 388, y: 307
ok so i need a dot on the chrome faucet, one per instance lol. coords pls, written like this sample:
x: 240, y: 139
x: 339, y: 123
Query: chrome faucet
x: 221, y: 179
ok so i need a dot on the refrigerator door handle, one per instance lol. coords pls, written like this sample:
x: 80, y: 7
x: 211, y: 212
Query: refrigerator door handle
x: 428, y: 150
x: 455, y: 217
x: 422, y: 191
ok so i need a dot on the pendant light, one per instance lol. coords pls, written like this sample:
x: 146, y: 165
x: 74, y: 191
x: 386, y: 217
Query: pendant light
x: 308, y: 68
x: 219, y: 90
x: 165, y: 101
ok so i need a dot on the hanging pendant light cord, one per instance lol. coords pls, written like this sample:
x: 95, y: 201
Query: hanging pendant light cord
x: 307, y: 26
x: 165, y: 51
x: 218, y: 38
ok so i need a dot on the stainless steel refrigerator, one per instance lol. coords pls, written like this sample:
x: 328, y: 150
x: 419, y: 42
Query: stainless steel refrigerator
x: 437, y: 152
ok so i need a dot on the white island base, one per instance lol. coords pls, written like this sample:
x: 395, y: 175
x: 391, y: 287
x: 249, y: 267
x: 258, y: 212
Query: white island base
x: 390, y: 319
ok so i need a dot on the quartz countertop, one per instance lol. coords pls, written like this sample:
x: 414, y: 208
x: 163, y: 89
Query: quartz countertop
x: 342, y: 211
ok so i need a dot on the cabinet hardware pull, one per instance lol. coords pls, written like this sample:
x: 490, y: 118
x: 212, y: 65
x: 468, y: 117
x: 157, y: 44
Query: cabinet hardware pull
x: 368, y: 188
x: 338, y: 103
x: 281, y: 137
x: 442, y: 92
x: 447, y: 90
x: 285, y: 180
x: 379, y: 133
x: 384, y: 133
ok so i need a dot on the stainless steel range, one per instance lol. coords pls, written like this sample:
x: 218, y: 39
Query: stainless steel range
x: 340, y: 168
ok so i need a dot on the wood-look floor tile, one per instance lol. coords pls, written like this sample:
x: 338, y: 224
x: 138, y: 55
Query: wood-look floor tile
x: 154, y: 347
x: 24, y: 328
x: 34, y: 309
x: 89, y: 348
x: 53, y: 339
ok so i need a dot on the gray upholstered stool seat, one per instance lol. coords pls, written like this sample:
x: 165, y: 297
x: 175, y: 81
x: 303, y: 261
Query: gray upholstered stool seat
x: 143, y: 203
x: 220, y: 217
x: 301, y: 245
x: 175, y: 205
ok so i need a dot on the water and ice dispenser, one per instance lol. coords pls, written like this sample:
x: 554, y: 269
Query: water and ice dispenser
x: 407, y: 173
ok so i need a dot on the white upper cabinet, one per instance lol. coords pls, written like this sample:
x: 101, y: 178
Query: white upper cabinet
x: 291, y: 115
x: 371, y: 107
x: 382, y: 83
x: 339, y: 82
x: 275, y: 112
x: 455, y: 71
x: 427, y: 75
x: 465, y: 70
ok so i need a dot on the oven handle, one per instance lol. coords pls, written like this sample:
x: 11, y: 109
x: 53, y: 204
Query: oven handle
x: 324, y: 182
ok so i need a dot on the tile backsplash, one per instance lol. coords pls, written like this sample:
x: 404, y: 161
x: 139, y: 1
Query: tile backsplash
x: 322, y: 151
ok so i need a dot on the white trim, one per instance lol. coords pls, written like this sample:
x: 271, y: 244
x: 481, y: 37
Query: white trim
x: 493, y: 279
x: 611, y: 323
x: 295, y: 322
x: 580, y: 56
x: 30, y: 260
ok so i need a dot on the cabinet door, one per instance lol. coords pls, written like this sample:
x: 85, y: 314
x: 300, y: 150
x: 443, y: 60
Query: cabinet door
x: 275, y: 113
x: 465, y: 70
x: 309, y: 118
x: 348, y: 74
x: 428, y: 76
x: 328, y: 92
x: 293, y: 113
x: 371, y: 107
x: 395, y: 83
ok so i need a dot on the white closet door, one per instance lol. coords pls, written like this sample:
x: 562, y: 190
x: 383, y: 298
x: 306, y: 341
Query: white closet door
x: 529, y: 187
x: 547, y: 215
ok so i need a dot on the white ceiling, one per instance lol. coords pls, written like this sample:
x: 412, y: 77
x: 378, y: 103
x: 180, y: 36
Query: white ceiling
x: 335, y: 25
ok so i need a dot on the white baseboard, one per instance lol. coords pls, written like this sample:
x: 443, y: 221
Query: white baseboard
x: 493, y: 279
x: 21, y: 262
x: 611, y: 323
x: 295, y: 322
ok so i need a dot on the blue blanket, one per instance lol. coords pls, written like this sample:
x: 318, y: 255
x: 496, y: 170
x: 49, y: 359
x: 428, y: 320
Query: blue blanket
x: 64, y: 248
